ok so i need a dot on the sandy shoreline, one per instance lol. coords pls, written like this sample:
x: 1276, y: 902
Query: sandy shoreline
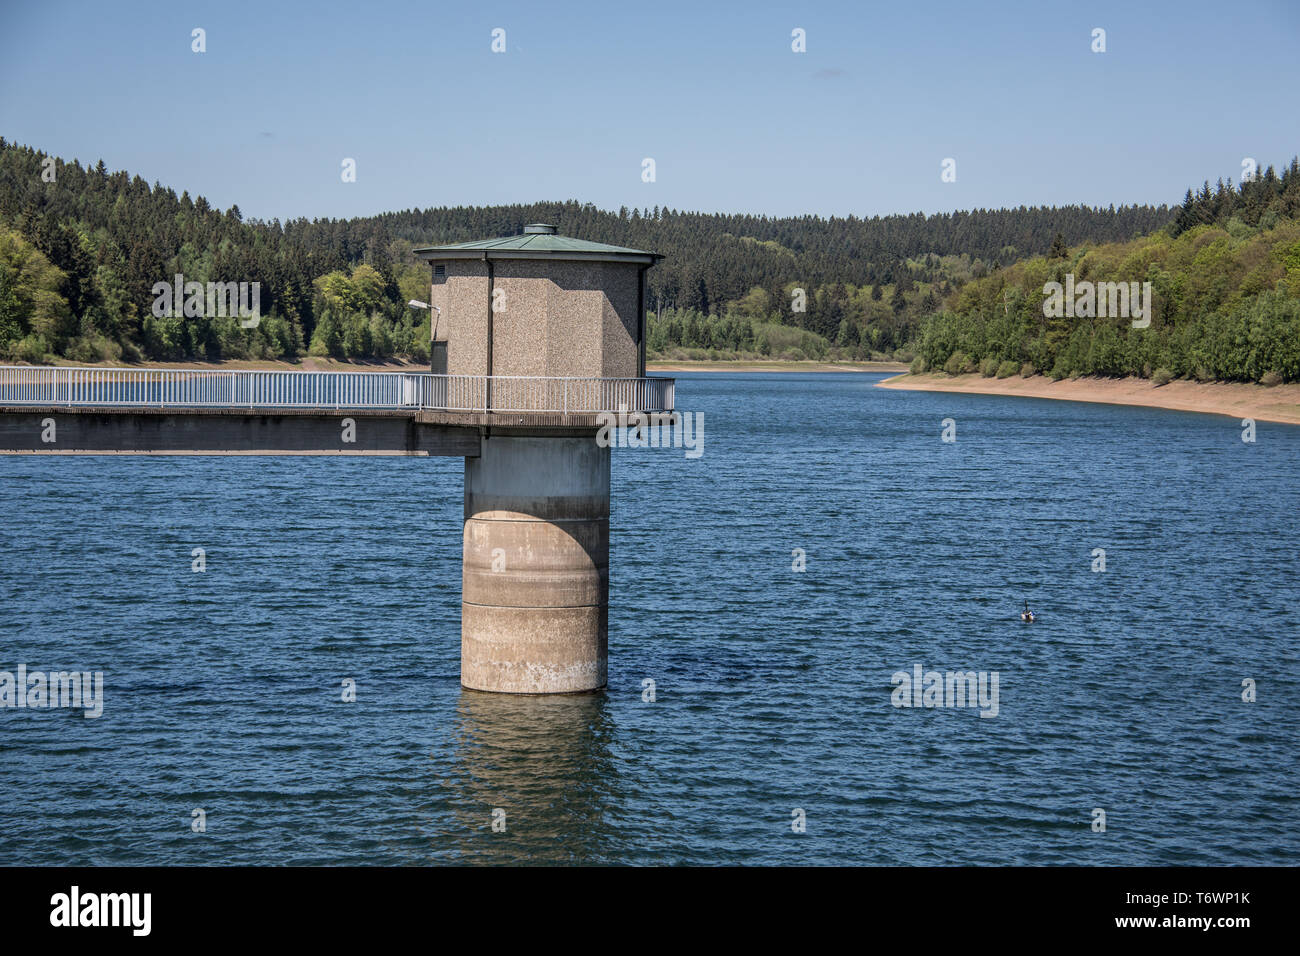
x: 742, y: 366
x: 1237, y: 399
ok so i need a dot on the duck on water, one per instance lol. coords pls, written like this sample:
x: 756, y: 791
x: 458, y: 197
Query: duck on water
x: 1028, y: 615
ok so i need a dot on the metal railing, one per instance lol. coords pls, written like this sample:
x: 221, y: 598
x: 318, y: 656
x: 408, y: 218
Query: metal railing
x: 203, y: 388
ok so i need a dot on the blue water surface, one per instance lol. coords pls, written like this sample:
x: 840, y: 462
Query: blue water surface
x: 223, y: 689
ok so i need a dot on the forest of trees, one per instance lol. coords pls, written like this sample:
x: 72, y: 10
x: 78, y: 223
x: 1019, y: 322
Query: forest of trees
x: 81, y: 249
x: 1225, y: 290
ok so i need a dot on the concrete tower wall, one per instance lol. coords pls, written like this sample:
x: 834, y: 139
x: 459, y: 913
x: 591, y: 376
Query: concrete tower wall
x: 566, y: 319
x: 464, y: 308
x: 535, y: 573
x: 619, y: 327
x: 557, y: 318
x: 535, y: 579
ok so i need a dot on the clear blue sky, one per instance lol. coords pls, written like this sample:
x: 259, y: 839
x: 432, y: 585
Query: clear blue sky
x: 734, y: 120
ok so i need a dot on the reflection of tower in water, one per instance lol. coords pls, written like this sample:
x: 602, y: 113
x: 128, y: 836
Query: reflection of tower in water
x: 545, y: 761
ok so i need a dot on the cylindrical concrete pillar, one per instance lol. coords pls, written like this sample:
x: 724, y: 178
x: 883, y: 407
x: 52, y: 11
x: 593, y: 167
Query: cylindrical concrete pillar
x: 535, y: 575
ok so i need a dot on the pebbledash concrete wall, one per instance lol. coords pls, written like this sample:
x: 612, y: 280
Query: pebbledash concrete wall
x: 463, y: 298
x: 557, y: 318
x: 535, y: 572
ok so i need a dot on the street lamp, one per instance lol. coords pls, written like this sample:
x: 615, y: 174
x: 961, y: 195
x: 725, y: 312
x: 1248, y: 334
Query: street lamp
x: 435, y: 314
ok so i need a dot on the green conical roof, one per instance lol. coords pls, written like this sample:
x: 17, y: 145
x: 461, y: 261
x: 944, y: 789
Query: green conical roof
x: 539, y: 240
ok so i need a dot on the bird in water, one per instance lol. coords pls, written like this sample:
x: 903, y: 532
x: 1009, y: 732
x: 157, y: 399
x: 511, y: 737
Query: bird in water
x: 1026, y: 614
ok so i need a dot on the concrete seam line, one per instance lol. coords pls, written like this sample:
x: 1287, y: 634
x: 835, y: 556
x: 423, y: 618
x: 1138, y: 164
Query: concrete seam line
x: 532, y: 607
x: 534, y: 520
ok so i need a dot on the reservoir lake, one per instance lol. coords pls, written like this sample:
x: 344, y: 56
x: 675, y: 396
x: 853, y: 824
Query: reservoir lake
x: 774, y: 690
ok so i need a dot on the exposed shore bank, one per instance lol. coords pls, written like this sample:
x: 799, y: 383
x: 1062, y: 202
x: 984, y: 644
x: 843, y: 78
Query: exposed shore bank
x: 1281, y: 403
x: 774, y: 366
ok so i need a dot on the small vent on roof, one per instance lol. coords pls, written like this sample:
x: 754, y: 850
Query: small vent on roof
x: 539, y: 229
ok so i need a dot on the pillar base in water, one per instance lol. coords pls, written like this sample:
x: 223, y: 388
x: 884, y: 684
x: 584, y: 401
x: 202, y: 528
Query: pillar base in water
x: 535, y: 577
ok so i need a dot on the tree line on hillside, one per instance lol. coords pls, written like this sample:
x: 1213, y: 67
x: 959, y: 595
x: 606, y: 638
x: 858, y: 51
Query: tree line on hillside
x: 1224, y: 282
x: 82, y: 248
